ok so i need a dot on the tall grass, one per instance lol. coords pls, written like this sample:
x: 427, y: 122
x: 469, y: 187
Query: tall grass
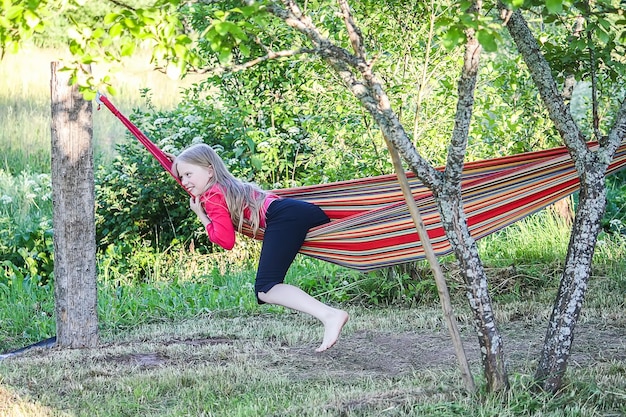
x: 25, y: 105
x: 535, y: 240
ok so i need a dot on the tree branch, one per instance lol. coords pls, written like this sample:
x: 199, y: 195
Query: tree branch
x: 122, y: 5
x: 541, y: 73
x: 367, y: 88
x: 464, y: 109
x: 618, y: 131
x: 356, y: 38
x: 293, y: 16
x: 248, y: 64
x: 594, y: 89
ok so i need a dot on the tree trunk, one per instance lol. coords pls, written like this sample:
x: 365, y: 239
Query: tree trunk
x: 466, y: 252
x: 591, y: 166
x: 358, y: 76
x: 73, y: 214
x: 573, y: 287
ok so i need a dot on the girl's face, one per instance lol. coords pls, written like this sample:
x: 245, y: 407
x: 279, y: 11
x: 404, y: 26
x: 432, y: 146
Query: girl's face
x: 195, y: 178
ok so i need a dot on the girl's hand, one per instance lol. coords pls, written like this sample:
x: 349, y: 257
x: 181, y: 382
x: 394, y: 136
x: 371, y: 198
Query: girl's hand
x: 170, y: 156
x: 196, y: 206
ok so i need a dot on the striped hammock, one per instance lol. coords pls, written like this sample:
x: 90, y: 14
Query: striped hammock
x: 371, y: 227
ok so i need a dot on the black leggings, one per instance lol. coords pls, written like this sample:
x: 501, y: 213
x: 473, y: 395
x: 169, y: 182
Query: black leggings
x: 287, y: 224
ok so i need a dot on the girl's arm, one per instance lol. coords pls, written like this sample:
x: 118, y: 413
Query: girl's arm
x: 196, y: 206
x: 213, y: 213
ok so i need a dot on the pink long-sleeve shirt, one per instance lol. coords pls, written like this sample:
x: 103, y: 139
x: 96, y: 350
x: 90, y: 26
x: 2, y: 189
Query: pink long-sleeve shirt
x: 221, y: 230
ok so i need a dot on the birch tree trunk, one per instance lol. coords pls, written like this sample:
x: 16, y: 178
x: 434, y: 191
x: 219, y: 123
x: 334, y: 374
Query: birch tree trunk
x: 454, y: 222
x: 73, y: 214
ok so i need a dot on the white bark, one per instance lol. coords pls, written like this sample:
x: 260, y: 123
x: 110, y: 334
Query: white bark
x: 356, y: 73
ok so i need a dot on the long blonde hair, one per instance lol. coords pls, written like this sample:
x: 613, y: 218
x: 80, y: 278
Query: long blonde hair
x: 240, y: 195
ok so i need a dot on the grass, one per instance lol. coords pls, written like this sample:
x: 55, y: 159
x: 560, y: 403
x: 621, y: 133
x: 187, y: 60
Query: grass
x: 253, y: 364
x: 538, y: 239
x: 188, y: 339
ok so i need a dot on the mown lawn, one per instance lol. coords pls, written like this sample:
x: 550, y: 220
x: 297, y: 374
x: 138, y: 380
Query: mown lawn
x: 390, y: 361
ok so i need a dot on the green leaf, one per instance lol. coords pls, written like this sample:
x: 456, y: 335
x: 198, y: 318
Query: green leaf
x: 225, y: 55
x: 487, y: 40
x: 98, y: 33
x: 110, y: 18
x: 244, y: 49
x: 183, y: 40
x: 605, y: 24
x: 554, y: 6
x: 251, y: 144
x: 128, y: 48
x: 602, y: 35
x: 224, y: 28
x: 216, y: 45
x: 76, y: 48
x: 238, y: 33
x: 14, y: 12
x: 130, y: 23
x: 111, y: 90
x: 115, y: 30
x: 31, y: 18
x: 180, y: 50
x: 453, y: 37
x: 88, y: 93
x: 256, y: 162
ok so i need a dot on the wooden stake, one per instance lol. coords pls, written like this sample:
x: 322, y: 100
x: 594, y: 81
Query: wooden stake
x: 440, y: 280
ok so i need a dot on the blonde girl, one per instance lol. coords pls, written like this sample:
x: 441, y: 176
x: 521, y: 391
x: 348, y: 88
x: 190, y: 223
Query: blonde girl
x: 224, y: 203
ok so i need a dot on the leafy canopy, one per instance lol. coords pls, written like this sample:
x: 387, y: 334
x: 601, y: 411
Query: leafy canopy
x: 179, y: 31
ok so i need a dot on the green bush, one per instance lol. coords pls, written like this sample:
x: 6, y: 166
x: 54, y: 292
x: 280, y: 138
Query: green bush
x: 26, y: 245
x: 614, y: 219
x: 271, y: 143
x: 137, y: 201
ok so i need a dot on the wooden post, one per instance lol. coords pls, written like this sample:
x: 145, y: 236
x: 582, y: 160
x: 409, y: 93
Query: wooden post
x: 75, y: 286
x: 440, y: 280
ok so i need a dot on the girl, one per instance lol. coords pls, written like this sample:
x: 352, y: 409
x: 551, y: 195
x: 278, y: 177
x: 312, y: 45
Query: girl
x: 223, y: 203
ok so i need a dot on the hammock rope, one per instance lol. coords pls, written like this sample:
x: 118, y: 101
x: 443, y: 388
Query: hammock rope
x: 371, y: 227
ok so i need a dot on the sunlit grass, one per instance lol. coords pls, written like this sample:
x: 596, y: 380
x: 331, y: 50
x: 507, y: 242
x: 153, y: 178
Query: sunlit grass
x: 182, y: 299
x: 25, y: 106
x: 14, y: 405
x: 538, y: 239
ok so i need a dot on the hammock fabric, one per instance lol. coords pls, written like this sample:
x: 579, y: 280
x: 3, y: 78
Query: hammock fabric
x: 371, y: 227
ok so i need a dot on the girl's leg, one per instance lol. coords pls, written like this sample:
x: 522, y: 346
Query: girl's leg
x: 294, y: 298
x: 288, y: 222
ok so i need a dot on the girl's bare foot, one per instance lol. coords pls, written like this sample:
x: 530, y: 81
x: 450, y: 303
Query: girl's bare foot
x: 332, y: 329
